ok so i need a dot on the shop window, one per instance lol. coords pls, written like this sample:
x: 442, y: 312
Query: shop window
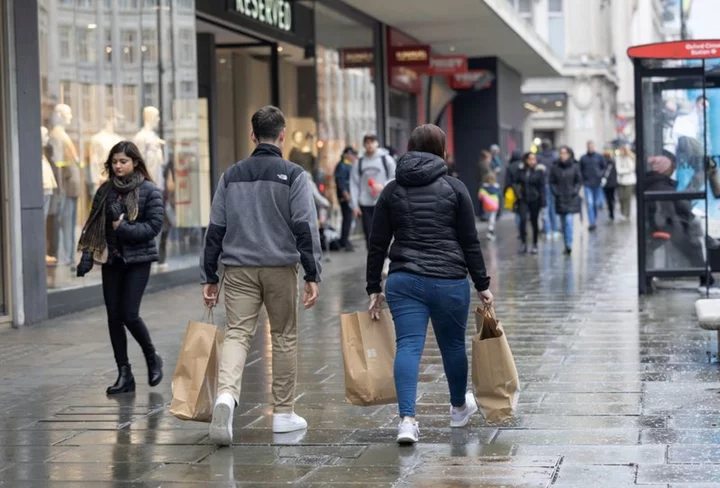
x: 130, y: 104
x: 66, y: 93
x: 86, y: 45
x: 150, y: 95
x: 88, y: 110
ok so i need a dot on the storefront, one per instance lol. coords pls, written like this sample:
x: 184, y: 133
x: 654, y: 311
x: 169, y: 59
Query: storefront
x: 406, y: 86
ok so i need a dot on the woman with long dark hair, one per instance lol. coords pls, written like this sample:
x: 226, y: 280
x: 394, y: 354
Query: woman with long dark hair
x: 431, y: 218
x: 566, y: 183
x: 126, y: 217
x: 529, y: 186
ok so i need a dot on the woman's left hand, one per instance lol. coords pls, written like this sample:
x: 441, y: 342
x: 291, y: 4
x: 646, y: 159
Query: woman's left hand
x: 376, y: 301
x: 117, y: 223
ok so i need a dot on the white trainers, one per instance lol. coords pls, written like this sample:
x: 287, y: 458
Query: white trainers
x: 288, y: 422
x: 459, y: 417
x: 408, y: 432
x: 221, y: 429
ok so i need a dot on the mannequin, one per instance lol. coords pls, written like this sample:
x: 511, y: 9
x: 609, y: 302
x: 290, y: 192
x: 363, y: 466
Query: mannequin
x: 301, y: 153
x: 49, y: 183
x: 65, y: 158
x: 150, y: 145
x: 100, y: 146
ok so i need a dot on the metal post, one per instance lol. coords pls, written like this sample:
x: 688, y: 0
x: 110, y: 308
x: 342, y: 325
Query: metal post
x: 274, y: 75
x: 640, y: 187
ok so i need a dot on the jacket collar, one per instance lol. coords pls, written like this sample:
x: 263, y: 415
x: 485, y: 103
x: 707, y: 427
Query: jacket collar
x: 264, y: 149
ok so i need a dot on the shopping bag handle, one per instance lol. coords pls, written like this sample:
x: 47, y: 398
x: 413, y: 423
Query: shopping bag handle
x: 208, y: 313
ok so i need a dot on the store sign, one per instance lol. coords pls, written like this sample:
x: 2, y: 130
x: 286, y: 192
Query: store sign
x: 275, y: 13
x: 409, y: 56
x: 477, y: 79
x: 447, y: 65
x: 707, y: 49
x: 405, y: 79
x: 357, y: 57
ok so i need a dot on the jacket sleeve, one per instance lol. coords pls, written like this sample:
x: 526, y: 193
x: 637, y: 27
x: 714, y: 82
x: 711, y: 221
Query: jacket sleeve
x: 379, y: 241
x: 303, y: 220
x: 578, y: 183
x: 212, y: 245
x: 554, y: 182
x: 146, y: 231
x: 468, y: 237
x: 541, y: 187
x: 355, y: 185
x: 341, y: 177
x: 392, y: 166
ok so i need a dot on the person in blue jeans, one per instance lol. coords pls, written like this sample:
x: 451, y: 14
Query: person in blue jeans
x: 592, y: 167
x: 547, y: 158
x: 431, y: 218
x: 565, y: 183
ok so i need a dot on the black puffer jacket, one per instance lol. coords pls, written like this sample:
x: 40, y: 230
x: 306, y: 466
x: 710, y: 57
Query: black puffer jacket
x: 566, y: 182
x: 133, y: 241
x: 432, y: 218
x: 529, y: 184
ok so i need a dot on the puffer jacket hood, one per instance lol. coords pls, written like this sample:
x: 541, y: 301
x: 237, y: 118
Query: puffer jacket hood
x: 419, y: 169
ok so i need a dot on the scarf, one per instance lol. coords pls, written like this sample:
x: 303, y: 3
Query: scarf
x: 93, y: 237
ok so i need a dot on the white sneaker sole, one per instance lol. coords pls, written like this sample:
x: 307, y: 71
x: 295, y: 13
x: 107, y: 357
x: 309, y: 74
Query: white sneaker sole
x: 287, y: 428
x: 473, y: 408
x: 406, y: 439
x: 221, y: 426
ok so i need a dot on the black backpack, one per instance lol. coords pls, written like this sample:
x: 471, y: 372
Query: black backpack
x: 384, y: 162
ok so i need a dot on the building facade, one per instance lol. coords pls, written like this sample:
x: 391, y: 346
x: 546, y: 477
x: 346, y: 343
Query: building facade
x: 594, y: 97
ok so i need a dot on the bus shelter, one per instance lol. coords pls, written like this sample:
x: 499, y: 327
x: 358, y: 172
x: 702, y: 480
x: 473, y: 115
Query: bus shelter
x: 677, y: 149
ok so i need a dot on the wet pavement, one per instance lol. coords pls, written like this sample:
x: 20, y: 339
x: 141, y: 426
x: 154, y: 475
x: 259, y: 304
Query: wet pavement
x: 617, y: 392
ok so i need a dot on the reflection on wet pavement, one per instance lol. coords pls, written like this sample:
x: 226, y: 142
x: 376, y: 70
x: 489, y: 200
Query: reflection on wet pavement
x: 617, y: 391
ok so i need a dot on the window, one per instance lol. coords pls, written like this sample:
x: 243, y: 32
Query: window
x: 128, y: 39
x: 150, y: 3
x: 85, y: 45
x: 525, y: 10
x: 556, y: 27
x: 187, y: 89
x: 187, y: 46
x: 186, y: 4
x: 130, y: 104
x: 149, y: 46
x: 150, y: 95
x: 108, y: 46
x: 65, y: 42
x: 87, y: 97
x: 66, y: 95
x: 88, y: 4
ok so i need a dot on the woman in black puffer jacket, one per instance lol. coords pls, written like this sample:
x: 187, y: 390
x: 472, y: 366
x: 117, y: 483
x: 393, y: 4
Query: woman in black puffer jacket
x: 126, y: 217
x: 432, y: 220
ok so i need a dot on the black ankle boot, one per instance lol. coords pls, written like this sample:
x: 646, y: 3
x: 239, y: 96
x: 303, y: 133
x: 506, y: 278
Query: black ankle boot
x: 155, y: 372
x: 125, y: 382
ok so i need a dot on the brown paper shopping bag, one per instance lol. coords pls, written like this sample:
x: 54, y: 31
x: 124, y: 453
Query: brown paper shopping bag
x: 368, y: 355
x: 195, y: 381
x: 494, y: 374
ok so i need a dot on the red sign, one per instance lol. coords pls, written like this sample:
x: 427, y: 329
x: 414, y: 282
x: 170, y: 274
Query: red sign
x: 481, y: 78
x: 405, y: 79
x: 447, y: 65
x: 417, y: 56
x: 701, y: 49
x: 357, y: 57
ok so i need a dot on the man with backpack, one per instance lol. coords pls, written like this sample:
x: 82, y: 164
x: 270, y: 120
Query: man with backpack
x: 367, y: 180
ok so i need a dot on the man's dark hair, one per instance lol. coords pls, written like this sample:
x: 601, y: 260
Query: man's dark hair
x: 370, y: 137
x: 546, y: 145
x: 268, y: 123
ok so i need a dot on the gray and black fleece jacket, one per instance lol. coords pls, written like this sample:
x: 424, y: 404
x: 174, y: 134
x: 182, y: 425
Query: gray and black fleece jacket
x: 263, y: 215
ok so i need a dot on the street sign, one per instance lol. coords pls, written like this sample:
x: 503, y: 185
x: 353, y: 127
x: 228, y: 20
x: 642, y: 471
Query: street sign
x: 699, y: 49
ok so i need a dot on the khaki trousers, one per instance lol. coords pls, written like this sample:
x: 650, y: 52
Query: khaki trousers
x: 246, y: 290
x: 626, y: 193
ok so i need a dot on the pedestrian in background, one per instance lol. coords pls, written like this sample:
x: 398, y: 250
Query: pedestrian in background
x: 610, y: 183
x: 431, y: 218
x: 512, y: 173
x: 627, y: 179
x: 547, y: 157
x: 566, y: 183
x: 490, y: 199
x: 529, y: 187
x: 342, y: 185
x: 498, y: 168
x: 125, y: 219
x: 263, y: 223
x: 368, y: 177
x: 592, y: 166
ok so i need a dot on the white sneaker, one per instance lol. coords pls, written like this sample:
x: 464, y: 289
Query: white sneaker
x: 408, y: 432
x: 459, y: 417
x: 221, y: 429
x: 288, y: 422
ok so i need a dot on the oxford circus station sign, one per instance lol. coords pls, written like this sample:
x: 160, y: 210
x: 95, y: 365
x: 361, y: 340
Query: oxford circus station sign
x: 275, y: 13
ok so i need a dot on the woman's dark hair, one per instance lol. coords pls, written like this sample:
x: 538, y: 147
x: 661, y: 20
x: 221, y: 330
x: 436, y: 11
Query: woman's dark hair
x: 131, y: 151
x: 527, y: 155
x: 569, y: 151
x: 428, y: 138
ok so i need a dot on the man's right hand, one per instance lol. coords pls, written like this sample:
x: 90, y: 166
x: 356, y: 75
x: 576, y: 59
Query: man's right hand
x: 312, y: 291
x: 357, y: 212
x: 210, y: 294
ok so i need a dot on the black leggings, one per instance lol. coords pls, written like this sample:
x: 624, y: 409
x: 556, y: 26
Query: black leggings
x: 123, y: 288
x: 529, y: 210
x: 367, y: 219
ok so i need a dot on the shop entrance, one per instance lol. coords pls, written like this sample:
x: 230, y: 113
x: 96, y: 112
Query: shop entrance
x: 677, y: 92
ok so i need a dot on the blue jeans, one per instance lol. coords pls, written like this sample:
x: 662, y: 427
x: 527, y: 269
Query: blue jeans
x: 550, y: 221
x: 567, y: 221
x: 413, y: 300
x: 594, y: 197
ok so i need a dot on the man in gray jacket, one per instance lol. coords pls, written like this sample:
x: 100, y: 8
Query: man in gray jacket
x: 368, y: 178
x: 263, y: 223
